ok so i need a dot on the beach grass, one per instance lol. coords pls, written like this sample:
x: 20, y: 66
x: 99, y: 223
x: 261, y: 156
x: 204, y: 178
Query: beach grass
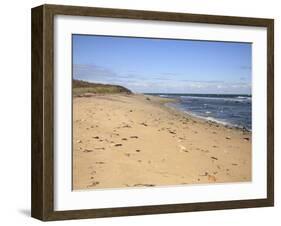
x: 83, y: 87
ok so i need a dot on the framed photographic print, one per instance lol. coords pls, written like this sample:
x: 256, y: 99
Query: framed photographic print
x: 141, y: 112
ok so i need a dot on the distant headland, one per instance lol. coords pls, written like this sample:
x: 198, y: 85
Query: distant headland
x: 82, y: 87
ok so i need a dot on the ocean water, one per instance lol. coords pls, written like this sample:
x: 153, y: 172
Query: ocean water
x: 232, y: 110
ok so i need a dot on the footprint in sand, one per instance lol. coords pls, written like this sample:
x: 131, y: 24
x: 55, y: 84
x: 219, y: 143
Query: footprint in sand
x: 206, y: 151
x: 134, y: 137
x: 99, y: 148
x: 93, y: 184
x: 183, y: 148
x: 88, y: 150
x: 214, y: 158
x: 144, y: 185
x: 212, y: 178
x: 204, y: 175
x: 126, y: 126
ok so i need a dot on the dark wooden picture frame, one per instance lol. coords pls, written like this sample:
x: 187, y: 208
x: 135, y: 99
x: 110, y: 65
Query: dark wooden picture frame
x: 42, y: 203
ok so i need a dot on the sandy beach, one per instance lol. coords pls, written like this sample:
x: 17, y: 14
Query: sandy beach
x: 134, y: 140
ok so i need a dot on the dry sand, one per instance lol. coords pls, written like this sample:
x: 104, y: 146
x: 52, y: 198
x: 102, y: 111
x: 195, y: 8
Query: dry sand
x: 136, y: 141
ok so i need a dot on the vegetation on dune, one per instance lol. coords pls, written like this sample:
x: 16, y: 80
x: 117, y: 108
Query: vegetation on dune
x: 81, y: 87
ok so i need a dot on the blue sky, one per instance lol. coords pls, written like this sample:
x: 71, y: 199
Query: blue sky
x: 163, y: 66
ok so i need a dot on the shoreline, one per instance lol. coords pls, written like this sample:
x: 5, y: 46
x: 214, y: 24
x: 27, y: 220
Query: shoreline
x: 213, y: 120
x: 197, y: 117
x: 135, y: 140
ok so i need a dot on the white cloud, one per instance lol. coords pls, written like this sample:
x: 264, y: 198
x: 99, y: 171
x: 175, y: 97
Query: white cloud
x: 149, y: 84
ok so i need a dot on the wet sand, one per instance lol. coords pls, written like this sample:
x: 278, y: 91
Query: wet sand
x: 136, y: 141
